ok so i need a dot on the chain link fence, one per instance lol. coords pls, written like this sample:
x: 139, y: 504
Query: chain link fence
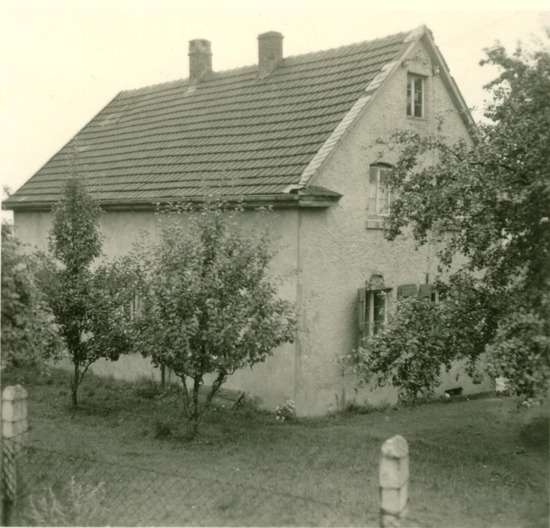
x: 50, y: 487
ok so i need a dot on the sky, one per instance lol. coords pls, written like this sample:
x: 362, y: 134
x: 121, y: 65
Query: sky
x: 61, y: 61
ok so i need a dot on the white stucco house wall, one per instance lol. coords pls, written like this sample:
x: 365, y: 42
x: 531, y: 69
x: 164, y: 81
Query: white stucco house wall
x: 297, y: 133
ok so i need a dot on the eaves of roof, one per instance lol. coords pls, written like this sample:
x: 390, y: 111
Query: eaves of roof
x: 317, y: 197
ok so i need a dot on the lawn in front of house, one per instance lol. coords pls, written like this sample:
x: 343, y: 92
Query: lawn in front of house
x: 473, y: 463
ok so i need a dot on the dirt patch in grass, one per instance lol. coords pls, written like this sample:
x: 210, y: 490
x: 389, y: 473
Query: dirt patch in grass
x: 473, y: 463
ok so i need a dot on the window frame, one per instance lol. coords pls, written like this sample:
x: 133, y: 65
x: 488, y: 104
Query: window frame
x: 369, y: 323
x: 412, y: 78
x: 379, y: 197
x: 376, y: 324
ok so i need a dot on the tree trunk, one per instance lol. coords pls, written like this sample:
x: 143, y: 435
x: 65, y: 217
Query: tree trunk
x: 74, y: 385
x: 185, y: 396
x: 194, y: 417
x: 218, y: 382
x: 194, y: 427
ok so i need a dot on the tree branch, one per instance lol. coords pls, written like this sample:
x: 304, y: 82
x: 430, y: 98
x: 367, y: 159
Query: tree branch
x: 218, y: 382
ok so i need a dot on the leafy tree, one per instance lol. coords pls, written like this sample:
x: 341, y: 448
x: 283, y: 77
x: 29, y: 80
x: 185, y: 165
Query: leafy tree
x: 29, y: 335
x: 487, y: 203
x: 423, y: 337
x: 208, y: 304
x: 90, y: 305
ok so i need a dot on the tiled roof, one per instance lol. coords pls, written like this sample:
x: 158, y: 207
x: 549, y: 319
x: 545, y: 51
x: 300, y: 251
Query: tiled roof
x: 231, y: 133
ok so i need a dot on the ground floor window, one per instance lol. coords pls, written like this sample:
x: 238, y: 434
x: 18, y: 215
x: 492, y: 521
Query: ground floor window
x: 374, y: 300
x: 373, y: 306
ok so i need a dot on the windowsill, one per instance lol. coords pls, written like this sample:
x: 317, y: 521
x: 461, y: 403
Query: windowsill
x: 414, y: 118
x: 376, y: 223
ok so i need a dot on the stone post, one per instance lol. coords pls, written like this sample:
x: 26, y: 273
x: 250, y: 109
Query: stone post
x: 394, y: 481
x: 14, y: 436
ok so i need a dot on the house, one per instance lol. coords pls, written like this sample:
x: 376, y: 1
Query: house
x: 298, y: 133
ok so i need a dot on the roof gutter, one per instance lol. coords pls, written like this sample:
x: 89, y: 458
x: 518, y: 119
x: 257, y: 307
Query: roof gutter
x: 315, y: 197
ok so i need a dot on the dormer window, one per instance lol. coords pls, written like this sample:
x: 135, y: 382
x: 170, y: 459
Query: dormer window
x: 415, y: 96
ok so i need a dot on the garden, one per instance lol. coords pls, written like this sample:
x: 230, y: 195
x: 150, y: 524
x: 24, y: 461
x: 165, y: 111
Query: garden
x: 475, y: 463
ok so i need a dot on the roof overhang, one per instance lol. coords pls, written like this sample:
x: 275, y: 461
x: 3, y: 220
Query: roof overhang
x: 311, y: 197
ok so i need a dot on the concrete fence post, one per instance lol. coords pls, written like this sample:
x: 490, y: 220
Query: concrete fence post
x: 14, y: 437
x: 394, y: 481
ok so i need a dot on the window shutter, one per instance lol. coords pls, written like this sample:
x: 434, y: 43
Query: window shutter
x: 362, y: 310
x: 406, y: 290
x: 371, y: 193
x: 425, y: 291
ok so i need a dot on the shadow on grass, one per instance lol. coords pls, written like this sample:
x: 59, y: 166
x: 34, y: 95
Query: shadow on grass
x: 535, y: 434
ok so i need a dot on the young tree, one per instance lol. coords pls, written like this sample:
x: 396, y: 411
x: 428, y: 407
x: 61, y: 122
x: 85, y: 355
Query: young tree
x: 489, y: 201
x: 208, y: 304
x: 29, y: 335
x: 90, y: 305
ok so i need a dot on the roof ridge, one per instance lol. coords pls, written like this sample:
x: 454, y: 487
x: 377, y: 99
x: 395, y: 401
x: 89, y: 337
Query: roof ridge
x: 352, y: 44
x: 248, y: 67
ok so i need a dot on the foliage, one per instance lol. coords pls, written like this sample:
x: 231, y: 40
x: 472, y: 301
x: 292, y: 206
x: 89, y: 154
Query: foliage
x: 91, y: 306
x: 29, y: 335
x: 489, y: 200
x: 423, y: 337
x: 520, y: 350
x: 77, y: 505
x: 208, y: 304
x: 285, y: 412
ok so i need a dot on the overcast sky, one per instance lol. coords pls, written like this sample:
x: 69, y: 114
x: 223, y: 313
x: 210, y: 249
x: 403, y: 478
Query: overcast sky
x: 62, y: 61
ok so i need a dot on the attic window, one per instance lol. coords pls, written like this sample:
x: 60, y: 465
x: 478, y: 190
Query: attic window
x: 415, y: 96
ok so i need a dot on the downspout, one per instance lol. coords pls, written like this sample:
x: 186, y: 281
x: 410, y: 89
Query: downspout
x: 299, y: 315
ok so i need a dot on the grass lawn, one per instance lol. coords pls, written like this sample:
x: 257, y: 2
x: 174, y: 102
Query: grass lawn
x: 473, y: 463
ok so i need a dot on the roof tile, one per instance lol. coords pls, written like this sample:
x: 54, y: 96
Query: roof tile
x: 233, y: 132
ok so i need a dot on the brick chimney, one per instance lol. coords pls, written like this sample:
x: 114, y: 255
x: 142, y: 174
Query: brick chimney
x: 270, y: 52
x: 200, y: 60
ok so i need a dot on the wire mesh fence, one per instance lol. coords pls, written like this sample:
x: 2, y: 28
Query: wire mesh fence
x: 51, y: 487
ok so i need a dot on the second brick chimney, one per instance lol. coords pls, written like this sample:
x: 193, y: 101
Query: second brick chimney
x: 270, y: 52
x: 200, y: 59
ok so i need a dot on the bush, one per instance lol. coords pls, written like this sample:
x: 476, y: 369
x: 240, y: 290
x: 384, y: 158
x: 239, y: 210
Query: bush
x: 29, y: 332
x: 285, y: 412
x: 147, y: 389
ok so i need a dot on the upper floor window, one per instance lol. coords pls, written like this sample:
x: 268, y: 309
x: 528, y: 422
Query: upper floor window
x: 379, y: 190
x: 415, y: 96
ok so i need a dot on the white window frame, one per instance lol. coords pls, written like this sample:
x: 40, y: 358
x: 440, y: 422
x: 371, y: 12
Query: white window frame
x: 411, y: 78
x: 382, y: 207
